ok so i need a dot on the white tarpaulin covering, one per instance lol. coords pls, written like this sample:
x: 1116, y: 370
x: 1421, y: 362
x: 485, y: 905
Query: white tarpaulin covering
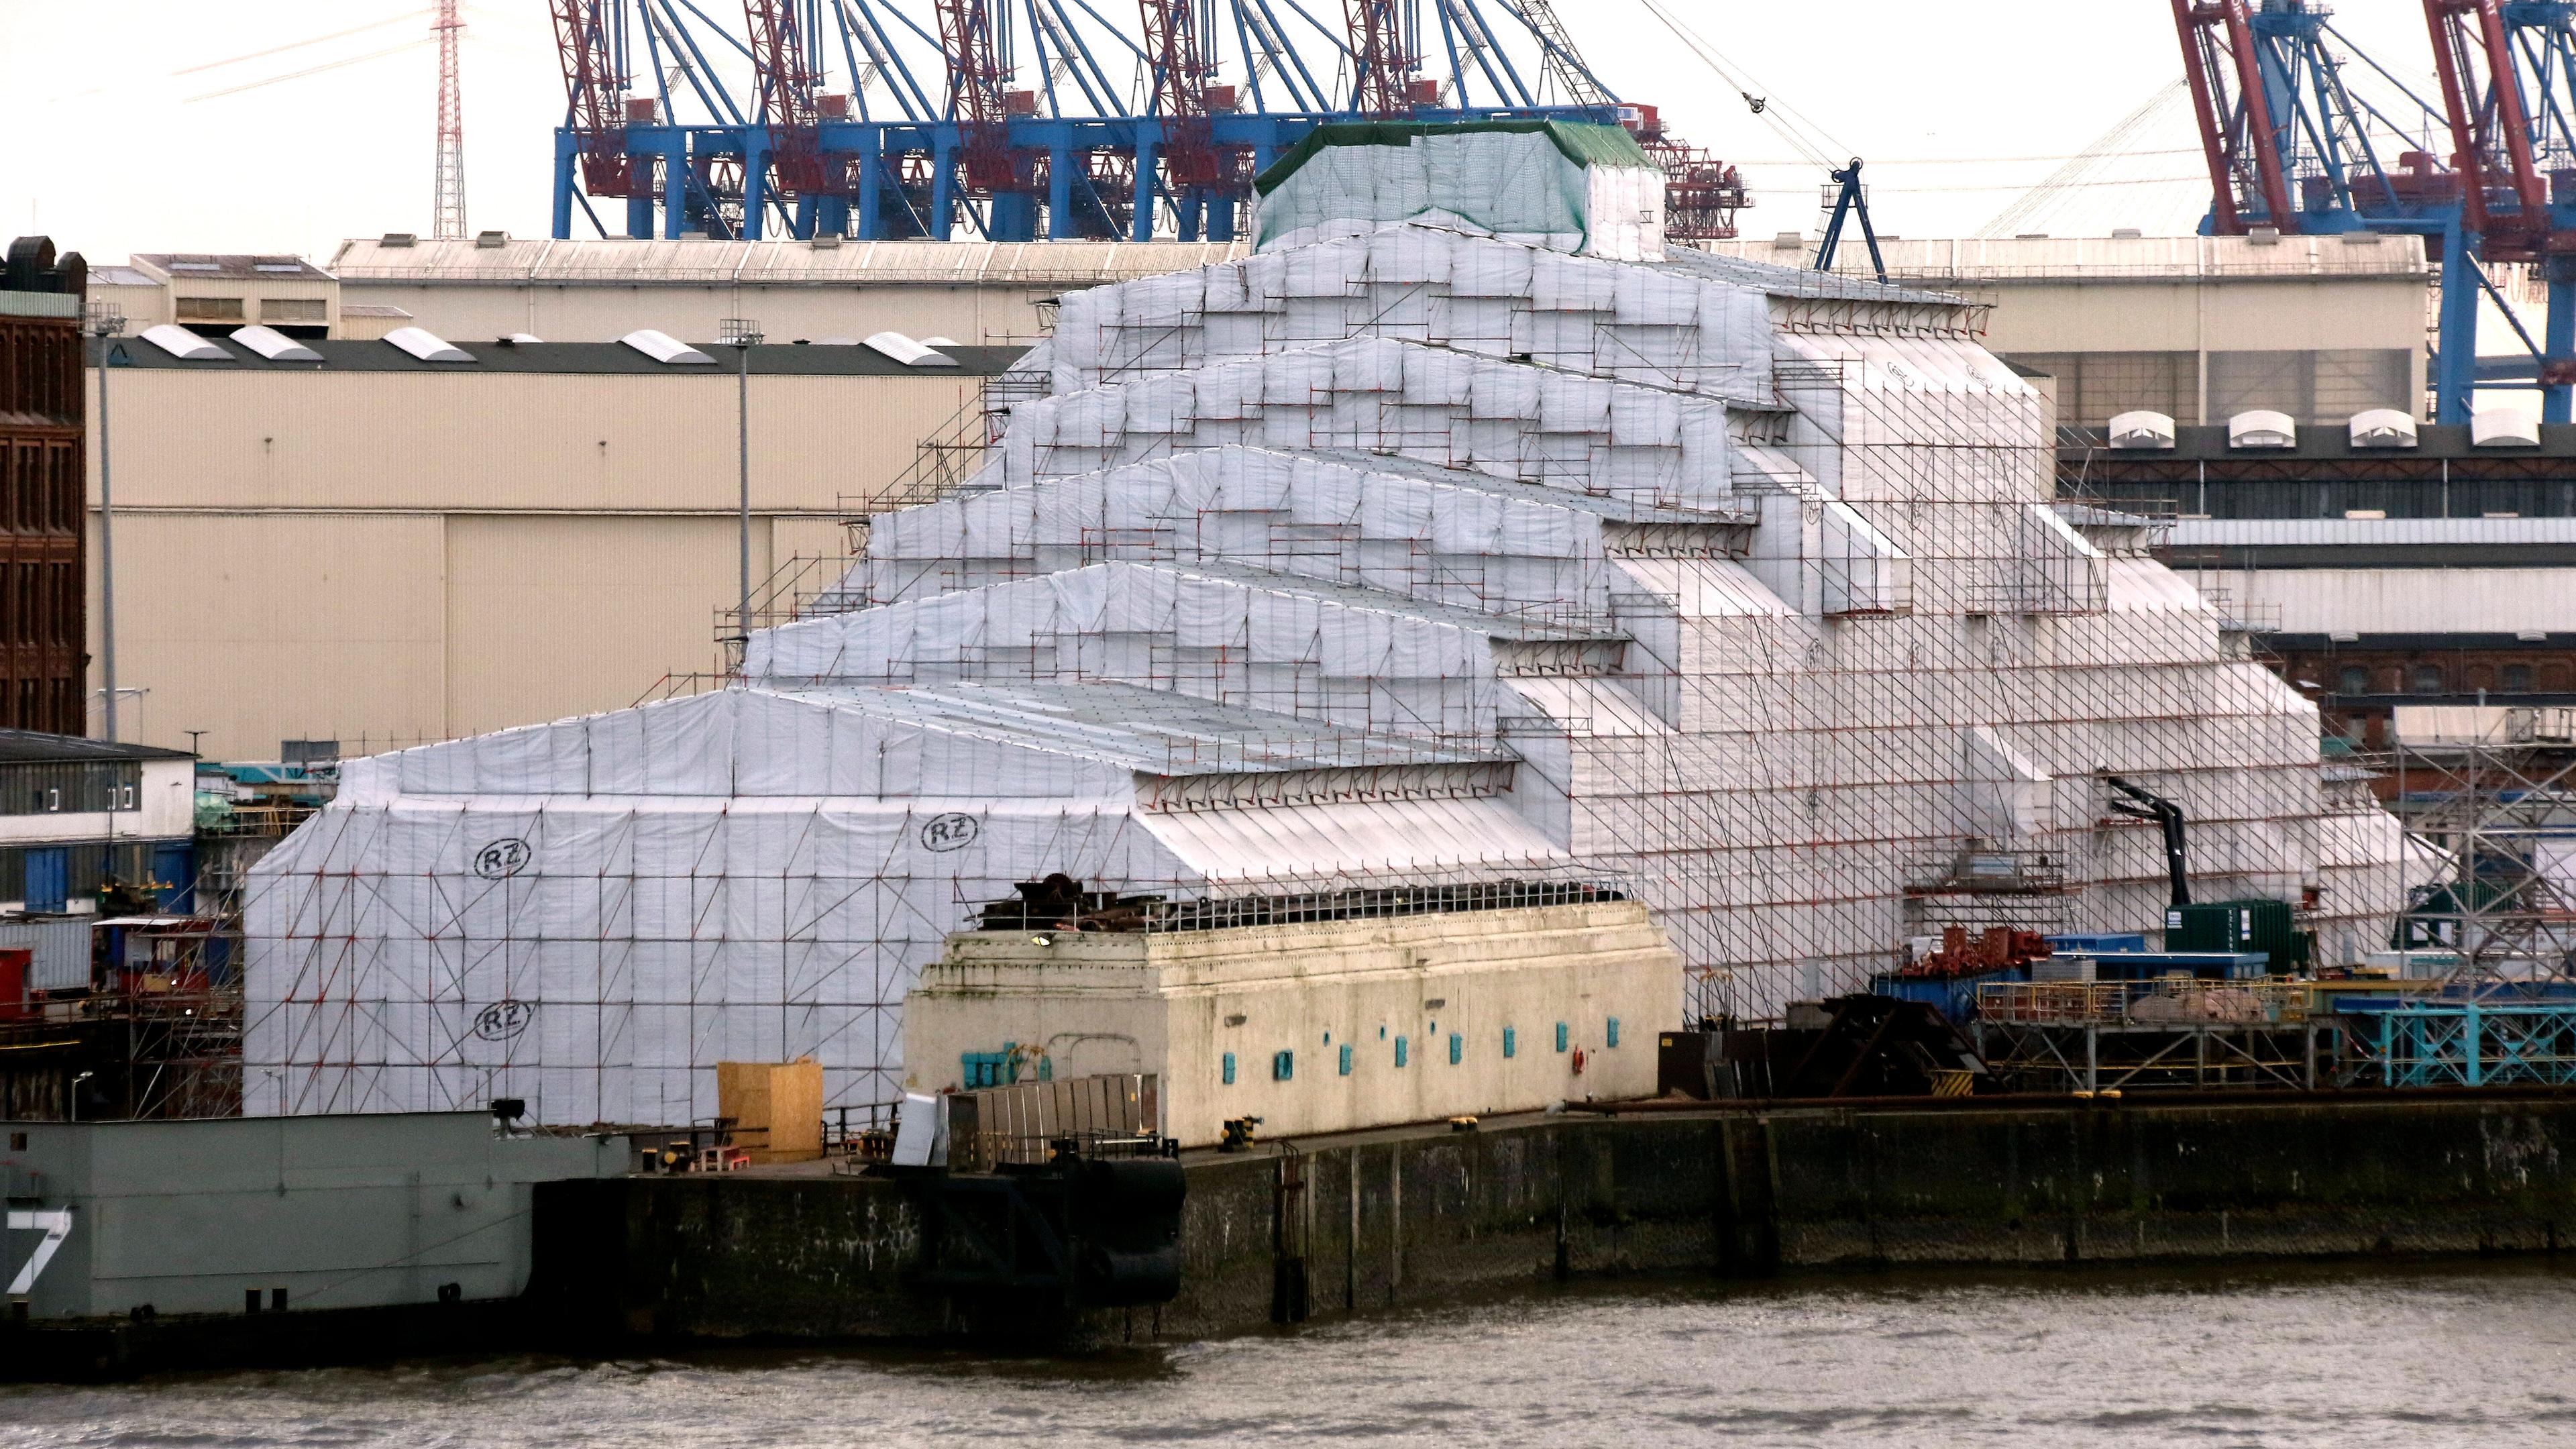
x: 527, y: 915
x: 1561, y: 185
x: 1404, y: 555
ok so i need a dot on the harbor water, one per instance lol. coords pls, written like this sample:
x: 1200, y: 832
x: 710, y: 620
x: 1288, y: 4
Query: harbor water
x: 2450, y: 1354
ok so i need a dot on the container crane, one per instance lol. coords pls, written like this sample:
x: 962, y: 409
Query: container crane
x: 2293, y: 149
x: 862, y: 119
x: 2508, y: 76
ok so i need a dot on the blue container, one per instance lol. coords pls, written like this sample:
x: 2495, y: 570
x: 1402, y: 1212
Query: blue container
x: 2087, y: 945
x: 2200, y: 965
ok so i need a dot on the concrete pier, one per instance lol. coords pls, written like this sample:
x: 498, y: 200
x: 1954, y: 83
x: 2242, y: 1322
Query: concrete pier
x: 1358, y: 1223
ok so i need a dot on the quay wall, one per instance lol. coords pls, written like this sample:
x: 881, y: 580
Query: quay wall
x: 1358, y: 1224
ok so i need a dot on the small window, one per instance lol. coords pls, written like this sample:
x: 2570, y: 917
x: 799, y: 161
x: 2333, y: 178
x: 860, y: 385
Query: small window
x: 1283, y: 1066
x: 1613, y: 1038
x: 294, y: 309
x: 2352, y: 679
x: 1511, y: 1042
x: 53, y: 799
x: 1400, y: 1052
x: 2516, y: 679
x: 210, y: 309
x: 1560, y: 1036
x: 1346, y: 1059
x: 17, y: 1141
x: 2428, y: 679
x: 1229, y: 1069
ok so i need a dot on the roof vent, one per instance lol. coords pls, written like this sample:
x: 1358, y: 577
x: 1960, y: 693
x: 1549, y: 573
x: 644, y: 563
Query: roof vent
x: 2495, y: 428
x: 2262, y: 428
x: 664, y: 348
x: 836, y: 342
x: 2263, y: 236
x: 2127, y: 233
x: 1789, y: 241
x: 939, y: 342
x: 426, y: 345
x: 491, y: 238
x: 906, y: 351
x: 274, y: 345
x: 2142, y: 429
x: 825, y: 241
x: 185, y: 345
x: 399, y: 239
x: 517, y: 339
x: 2382, y: 428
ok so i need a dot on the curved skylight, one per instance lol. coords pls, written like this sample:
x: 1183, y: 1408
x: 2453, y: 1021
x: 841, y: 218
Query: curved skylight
x: 906, y: 351
x: 181, y: 343
x: 426, y: 345
x: 274, y: 345
x: 664, y: 348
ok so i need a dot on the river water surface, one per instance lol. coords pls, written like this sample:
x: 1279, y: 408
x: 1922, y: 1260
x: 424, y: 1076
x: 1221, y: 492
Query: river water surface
x: 2435, y: 1356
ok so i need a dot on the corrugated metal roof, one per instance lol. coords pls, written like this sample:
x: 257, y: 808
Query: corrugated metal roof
x: 1150, y: 730
x: 28, y: 747
x: 2143, y: 259
x: 1062, y: 264
x: 778, y: 360
x: 241, y: 266
x: 2368, y: 532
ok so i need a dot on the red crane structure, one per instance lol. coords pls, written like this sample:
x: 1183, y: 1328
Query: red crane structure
x: 783, y: 93
x: 1382, y: 58
x: 977, y: 101
x: 593, y: 89
x: 2490, y: 130
x: 1196, y: 172
x: 2236, y: 131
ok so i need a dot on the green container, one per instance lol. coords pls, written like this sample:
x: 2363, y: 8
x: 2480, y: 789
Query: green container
x: 2246, y: 925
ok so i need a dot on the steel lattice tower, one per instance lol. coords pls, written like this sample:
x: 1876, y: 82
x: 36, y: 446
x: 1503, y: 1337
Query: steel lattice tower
x: 449, y: 218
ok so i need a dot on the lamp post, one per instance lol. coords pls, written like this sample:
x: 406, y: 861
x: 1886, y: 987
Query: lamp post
x: 744, y: 334
x: 104, y: 322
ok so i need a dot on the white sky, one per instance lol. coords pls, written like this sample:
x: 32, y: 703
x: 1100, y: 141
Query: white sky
x: 137, y: 140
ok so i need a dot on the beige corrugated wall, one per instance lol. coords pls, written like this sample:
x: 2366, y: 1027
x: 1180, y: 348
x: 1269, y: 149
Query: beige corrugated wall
x: 406, y: 556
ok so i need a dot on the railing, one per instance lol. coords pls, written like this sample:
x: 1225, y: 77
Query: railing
x: 1106, y: 1115
x: 2169, y: 1003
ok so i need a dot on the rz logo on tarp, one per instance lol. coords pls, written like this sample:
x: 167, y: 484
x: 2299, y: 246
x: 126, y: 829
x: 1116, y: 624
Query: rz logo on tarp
x: 503, y: 1020
x: 502, y: 859
x: 949, y: 832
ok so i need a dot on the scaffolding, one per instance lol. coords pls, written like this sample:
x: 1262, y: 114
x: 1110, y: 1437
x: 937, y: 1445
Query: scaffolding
x: 2491, y: 796
x: 1449, y: 558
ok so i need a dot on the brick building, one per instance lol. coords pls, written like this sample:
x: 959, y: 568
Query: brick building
x: 43, y: 628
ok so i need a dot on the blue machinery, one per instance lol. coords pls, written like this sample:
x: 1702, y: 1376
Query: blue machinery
x: 1029, y: 124
x: 2469, y: 1044
x: 2485, y: 171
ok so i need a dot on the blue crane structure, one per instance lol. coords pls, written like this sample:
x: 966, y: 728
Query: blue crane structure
x: 2293, y: 147
x: 1017, y: 120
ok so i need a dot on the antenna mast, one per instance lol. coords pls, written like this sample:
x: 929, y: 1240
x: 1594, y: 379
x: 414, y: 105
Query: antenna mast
x: 450, y: 206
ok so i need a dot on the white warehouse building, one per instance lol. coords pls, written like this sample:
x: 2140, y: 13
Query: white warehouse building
x: 1425, y: 545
